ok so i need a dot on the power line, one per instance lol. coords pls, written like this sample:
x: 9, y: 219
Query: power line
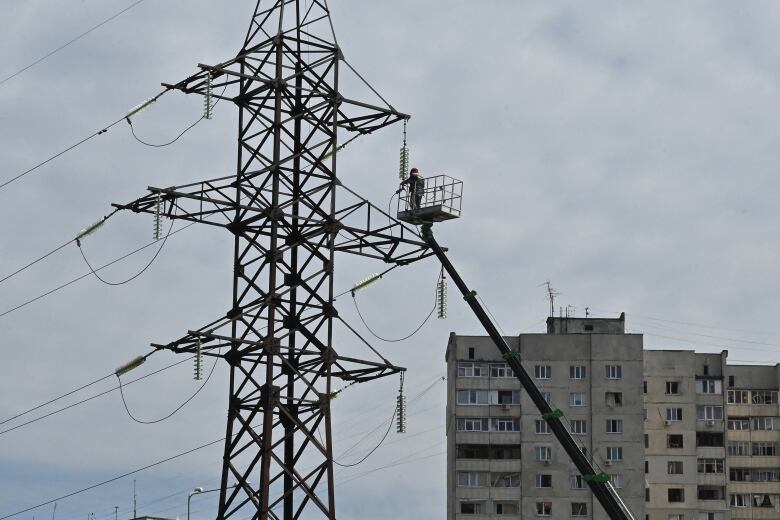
x: 73, y: 40
x: 114, y: 479
x: 71, y: 282
x: 71, y: 147
x: 182, y: 405
x: 73, y: 405
x: 58, y: 248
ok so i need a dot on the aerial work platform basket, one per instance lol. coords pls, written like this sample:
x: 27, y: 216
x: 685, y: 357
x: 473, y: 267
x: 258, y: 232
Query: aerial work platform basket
x: 434, y: 199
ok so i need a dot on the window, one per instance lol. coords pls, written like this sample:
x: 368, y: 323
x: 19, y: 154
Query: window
x: 710, y: 493
x: 542, y: 426
x: 644, y: 387
x: 763, y: 397
x: 647, y: 494
x: 542, y: 371
x: 577, y: 372
x: 709, y: 439
x: 741, y: 423
x: 675, y: 516
x: 674, y: 467
x: 505, y: 452
x: 731, y: 381
x: 710, y: 465
x: 737, y: 397
x: 468, y: 397
x: 739, y: 500
x: 675, y: 495
x: 647, y: 467
x: 674, y: 440
x: 544, y: 508
x: 613, y: 399
x: 543, y: 481
x: 472, y: 479
x: 709, y: 413
x: 614, y: 425
x: 672, y: 387
x: 576, y: 482
x: 617, y: 480
x: 765, y: 423
x: 705, y: 370
x: 472, y: 424
x: 579, y: 509
x: 614, y: 371
x: 764, y: 449
x: 547, y: 397
x: 647, y: 441
x: 543, y: 453
x: 763, y: 475
x: 674, y: 414
x: 472, y: 370
x: 507, y: 508
x: 709, y: 386
x: 709, y: 515
x: 505, y: 424
x: 508, y: 396
x: 576, y: 398
x: 471, y: 352
x: 739, y: 474
x: 578, y: 426
x: 471, y: 508
x: 614, y: 453
x: 738, y: 449
x: 766, y: 500
x: 508, y: 480
x: 473, y: 451
x: 501, y: 370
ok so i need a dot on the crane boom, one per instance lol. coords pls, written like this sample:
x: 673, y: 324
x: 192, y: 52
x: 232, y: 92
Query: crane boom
x: 604, y: 492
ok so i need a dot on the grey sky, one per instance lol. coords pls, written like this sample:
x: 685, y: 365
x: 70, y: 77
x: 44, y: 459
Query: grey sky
x: 623, y: 151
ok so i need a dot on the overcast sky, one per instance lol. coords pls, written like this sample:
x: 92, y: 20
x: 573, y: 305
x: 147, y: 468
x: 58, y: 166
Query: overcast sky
x: 625, y: 152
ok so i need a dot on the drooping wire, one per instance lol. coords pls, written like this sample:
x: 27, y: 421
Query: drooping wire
x: 176, y: 410
x: 205, y: 115
x: 66, y: 150
x: 73, y: 40
x: 85, y: 400
x: 395, y: 340
x: 139, y: 273
x: 79, y: 278
x: 387, y: 432
x: 56, y: 249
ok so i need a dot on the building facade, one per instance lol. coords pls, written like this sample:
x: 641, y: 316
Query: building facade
x: 502, y: 459
x: 683, y: 435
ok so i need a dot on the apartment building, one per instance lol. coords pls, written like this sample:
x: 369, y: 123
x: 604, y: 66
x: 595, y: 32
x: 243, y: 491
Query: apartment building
x: 686, y: 464
x: 684, y: 435
x: 502, y: 459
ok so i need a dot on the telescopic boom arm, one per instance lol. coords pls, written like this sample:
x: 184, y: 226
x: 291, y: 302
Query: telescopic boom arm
x: 598, y: 482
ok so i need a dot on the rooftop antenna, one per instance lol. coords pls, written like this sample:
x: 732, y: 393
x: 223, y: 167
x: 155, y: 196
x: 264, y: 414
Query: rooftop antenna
x: 570, y: 311
x: 551, y: 294
x: 587, y: 312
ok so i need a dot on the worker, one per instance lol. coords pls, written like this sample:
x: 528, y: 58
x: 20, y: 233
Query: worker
x: 416, y: 188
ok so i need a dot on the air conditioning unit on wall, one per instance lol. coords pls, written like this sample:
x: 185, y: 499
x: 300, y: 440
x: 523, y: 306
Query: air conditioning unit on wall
x: 710, y: 423
x: 667, y: 422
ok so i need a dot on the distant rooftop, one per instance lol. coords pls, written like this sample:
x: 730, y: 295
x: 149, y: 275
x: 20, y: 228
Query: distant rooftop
x: 564, y: 325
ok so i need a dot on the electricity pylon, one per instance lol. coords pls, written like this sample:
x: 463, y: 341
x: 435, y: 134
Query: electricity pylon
x: 278, y: 335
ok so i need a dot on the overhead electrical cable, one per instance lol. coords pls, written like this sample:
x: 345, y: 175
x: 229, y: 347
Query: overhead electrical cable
x: 71, y: 147
x: 389, y: 427
x: 47, y: 255
x: 95, y: 396
x: 182, y: 405
x: 79, y: 278
x: 113, y: 479
x: 72, y: 40
x: 139, y: 273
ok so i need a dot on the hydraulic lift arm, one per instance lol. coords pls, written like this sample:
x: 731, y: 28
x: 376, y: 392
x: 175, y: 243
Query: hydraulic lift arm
x: 599, y: 483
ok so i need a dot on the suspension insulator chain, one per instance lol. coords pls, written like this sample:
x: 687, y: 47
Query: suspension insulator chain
x: 441, y: 297
x: 198, y: 370
x: 157, y: 217
x: 401, y: 408
x: 403, y: 168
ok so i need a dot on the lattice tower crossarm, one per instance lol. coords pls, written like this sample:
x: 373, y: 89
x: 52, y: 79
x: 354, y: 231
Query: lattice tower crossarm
x: 278, y: 335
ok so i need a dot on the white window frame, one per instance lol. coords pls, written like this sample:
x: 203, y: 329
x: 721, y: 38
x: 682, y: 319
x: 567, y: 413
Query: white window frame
x: 472, y: 479
x: 466, y: 424
x: 709, y: 412
x: 579, y: 509
x: 669, y: 388
x: 578, y: 372
x: 577, y: 482
x: 709, y: 386
x: 578, y: 426
x: 577, y: 399
x: 542, y: 372
x: 614, y: 372
x: 500, y: 371
x: 472, y: 369
x: 614, y: 453
x: 674, y: 414
x: 544, y: 508
x: 614, y: 426
x: 541, y: 427
x: 539, y: 480
x: 543, y: 453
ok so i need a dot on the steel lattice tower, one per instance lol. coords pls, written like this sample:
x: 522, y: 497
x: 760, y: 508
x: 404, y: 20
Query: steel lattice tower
x: 278, y: 335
